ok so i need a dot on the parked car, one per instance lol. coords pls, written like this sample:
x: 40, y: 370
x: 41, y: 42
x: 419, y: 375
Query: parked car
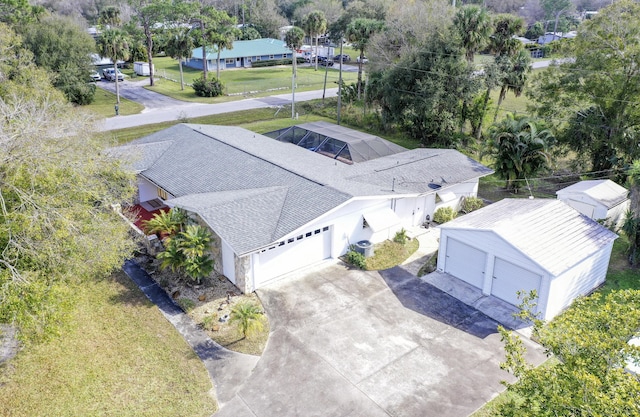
x: 325, y: 61
x: 109, y: 74
x: 344, y: 58
x: 364, y: 60
x: 94, y: 76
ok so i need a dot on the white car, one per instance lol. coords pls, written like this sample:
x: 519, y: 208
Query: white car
x: 364, y: 60
x: 94, y: 76
x: 109, y: 75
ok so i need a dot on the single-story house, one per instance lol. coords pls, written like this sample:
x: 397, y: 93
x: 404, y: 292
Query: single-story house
x: 551, y: 36
x: 527, y: 244
x: 274, y: 206
x: 598, y: 200
x: 242, y: 55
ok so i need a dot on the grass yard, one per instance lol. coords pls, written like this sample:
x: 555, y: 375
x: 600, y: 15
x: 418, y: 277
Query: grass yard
x: 389, y: 254
x: 239, y: 83
x: 257, y: 120
x: 119, y: 357
x: 104, y: 102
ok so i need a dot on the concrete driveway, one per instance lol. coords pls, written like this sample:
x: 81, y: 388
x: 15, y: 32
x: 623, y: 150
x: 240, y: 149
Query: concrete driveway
x: 352, y: 343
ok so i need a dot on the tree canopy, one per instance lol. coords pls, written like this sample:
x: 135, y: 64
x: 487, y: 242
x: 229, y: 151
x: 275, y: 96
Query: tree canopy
x: 56, y: 188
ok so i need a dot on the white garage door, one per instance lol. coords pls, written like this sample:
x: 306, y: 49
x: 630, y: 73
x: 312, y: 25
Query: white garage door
x: 465, y: 262
x: 509, y: 278
x: 292, y: 254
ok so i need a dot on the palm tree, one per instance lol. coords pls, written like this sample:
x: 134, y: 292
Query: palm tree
x: 179, y: 46
x: 110, y: 16
x: 359, y: 32
x: 194, y: 246
x: 519, y: 149
x: 294, y: 38
x: 223, y: 38
x: 166, y: 222
x: 248, y: 317
x: 114, y: 44
x: 315, y: 24
x: 473, y: 24
x: 514, y: 69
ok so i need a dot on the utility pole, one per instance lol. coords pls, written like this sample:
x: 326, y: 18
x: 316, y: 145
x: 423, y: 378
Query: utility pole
x: 340, y: 81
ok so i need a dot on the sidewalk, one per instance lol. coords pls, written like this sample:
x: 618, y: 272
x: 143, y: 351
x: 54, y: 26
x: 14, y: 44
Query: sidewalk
x: 228, y: 370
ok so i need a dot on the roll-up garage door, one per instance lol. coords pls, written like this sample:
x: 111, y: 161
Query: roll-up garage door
x: 509, y: 278
x: 465, y: 262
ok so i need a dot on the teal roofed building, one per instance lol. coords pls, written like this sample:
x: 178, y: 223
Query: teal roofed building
x: 242, y: 55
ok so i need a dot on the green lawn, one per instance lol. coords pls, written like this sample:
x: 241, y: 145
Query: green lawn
x: 104, y: 102
x: 118, y: 357
x: 239, y: 83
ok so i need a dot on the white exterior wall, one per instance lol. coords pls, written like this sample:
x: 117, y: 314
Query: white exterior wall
x: 494, y: 246
x: 467, y: 189
x: 579, y: 280
x: 617, y: 214
x: 228, y: 262
x: 146, y: 190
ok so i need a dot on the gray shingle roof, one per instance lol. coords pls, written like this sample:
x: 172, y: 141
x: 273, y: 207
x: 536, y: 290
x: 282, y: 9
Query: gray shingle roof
x: 549, y: 232
x: 254, y: 190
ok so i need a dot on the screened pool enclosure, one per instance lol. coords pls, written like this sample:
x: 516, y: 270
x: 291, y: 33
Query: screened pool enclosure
x: 337, y: 142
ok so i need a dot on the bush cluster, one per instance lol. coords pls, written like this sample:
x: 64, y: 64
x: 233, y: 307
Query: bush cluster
x: 444, y: 214
x: 401, y: 237
x: 356, y: 258
x: 274, y: 62
x: 470, y: 204
x: 207, y: 88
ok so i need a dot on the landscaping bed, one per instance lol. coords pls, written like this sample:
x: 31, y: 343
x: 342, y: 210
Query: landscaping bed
x: 208, y: 303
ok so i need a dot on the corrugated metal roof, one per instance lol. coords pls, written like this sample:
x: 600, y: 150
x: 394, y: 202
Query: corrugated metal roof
x: 551, y: 233
x: 256, y: 47
x: 606, y: 192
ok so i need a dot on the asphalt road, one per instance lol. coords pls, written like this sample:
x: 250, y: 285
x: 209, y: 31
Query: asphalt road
x: 160, y: 108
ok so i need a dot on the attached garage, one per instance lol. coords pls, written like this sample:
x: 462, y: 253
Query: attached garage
x: 291, y: 254
x: 520, y: 245
x: 597, y: 199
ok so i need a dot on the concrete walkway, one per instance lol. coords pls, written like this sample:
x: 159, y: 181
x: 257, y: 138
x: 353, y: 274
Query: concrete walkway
x: 228, y: 370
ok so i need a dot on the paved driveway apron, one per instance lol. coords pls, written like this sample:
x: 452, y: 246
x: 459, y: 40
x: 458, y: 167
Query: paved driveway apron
x: 354, y: 343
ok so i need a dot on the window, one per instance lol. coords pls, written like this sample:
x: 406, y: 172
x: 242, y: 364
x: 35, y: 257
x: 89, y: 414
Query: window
x: 229, y: 61
x: 162, y: 194
x: 271, y: 56
x: 257, y: 58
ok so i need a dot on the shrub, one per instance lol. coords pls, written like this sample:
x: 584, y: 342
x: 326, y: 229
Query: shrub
x: 401, y: 236
x: 356, y: 258
x: 444, y: 214
x: 209, y: 321
x: 274, y: 62
x: 187, y: 304
x: 470, y: 204
x: 209, y: 88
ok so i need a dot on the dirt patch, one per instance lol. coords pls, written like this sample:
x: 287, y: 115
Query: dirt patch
x: 209, y: 305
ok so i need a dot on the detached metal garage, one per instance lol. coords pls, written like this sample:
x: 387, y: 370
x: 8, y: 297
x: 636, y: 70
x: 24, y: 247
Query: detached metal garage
x: 523, y: 245
x: 597, y: 199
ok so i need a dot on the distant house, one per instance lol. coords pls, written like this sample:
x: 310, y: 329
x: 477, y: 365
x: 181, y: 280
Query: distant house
x: 242, y: 55
x: 275, y: 206
x: 597, y: 199
x: 523, y: 245
x: 550, y: 36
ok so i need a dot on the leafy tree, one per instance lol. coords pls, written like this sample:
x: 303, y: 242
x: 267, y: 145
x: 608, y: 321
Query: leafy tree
x: 248, y: 33
x: 179, y: 46
x: 600, y: 91
x: 150, y: 13
x: 519, y: 148
x: 64, y: 49
x: 631, y: 225
x: 553, y: 9
x: 424, y: 92
x: 473, y: 25
x: 114, y: 43
x: 590, y: 342
x: 19, y: 12
x: 212, y: 31
x: 56, y: 187
x: 315, y: 24
x: 514, y: 70
x: 359, y: 32
x: 534, y: 31
x: 248, y: 318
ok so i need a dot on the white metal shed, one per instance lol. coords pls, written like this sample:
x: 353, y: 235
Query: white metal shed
x: 597, y: 199
x: 522, y: 245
